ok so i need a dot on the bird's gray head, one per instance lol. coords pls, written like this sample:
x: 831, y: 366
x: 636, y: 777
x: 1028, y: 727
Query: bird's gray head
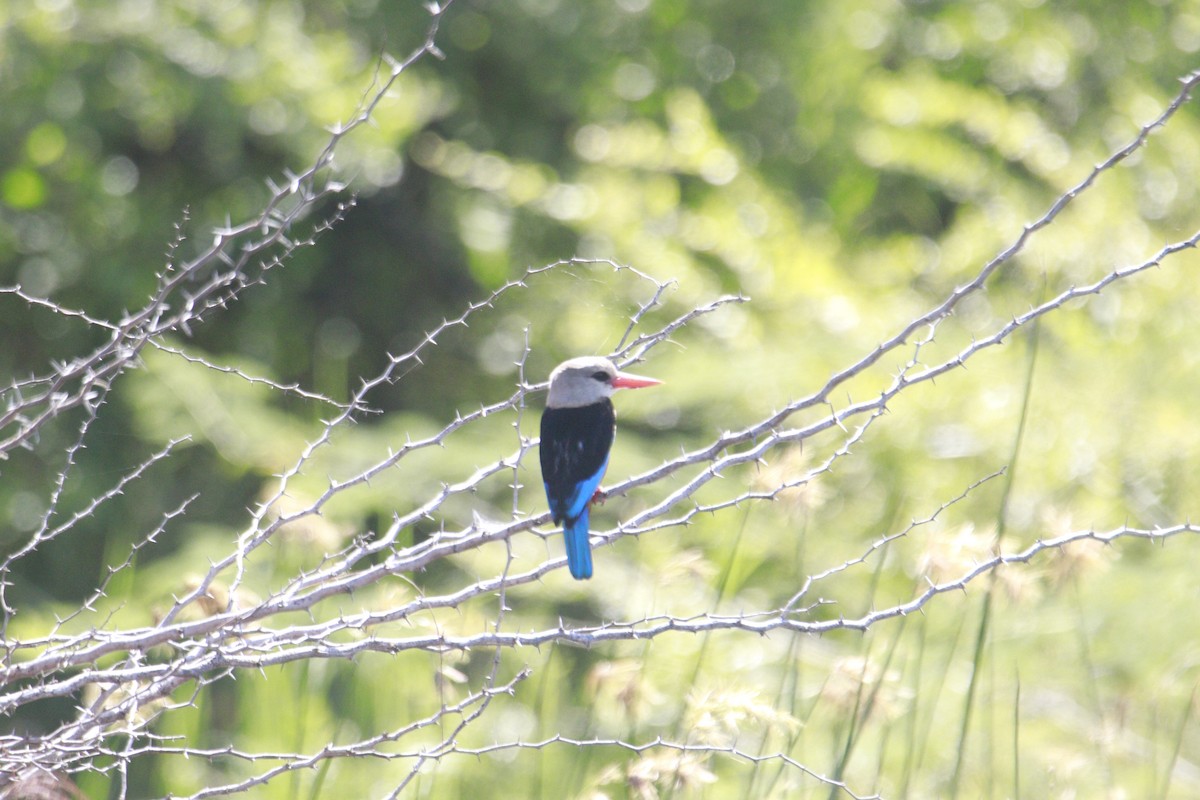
x: 589, y: 379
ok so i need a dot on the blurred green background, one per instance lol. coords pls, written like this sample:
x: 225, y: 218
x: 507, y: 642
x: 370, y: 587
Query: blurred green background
x: 845, y: 165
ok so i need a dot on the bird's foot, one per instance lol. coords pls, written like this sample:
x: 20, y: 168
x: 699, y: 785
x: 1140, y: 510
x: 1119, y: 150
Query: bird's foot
x: 599, y: 497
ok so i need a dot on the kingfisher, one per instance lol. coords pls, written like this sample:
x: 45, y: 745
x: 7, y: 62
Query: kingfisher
x: 578, y: 427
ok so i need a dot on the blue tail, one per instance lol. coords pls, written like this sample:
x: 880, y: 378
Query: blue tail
x: 579, y: 552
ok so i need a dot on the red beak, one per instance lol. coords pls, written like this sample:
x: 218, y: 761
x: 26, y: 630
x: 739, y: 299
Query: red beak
x: 626, y: 381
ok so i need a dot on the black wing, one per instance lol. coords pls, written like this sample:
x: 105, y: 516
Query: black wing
x: 574, y: 450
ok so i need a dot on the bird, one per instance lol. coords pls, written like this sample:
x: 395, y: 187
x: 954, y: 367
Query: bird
x: 577, y: 431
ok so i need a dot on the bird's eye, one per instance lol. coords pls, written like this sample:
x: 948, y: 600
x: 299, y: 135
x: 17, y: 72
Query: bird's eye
x: 600, y: 376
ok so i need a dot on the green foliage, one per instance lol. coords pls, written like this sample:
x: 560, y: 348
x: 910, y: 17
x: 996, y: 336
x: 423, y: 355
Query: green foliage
x: 845, y: 166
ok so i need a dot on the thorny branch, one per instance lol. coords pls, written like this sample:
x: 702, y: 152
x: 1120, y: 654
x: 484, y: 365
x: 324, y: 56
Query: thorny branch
x: 130, y: 687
